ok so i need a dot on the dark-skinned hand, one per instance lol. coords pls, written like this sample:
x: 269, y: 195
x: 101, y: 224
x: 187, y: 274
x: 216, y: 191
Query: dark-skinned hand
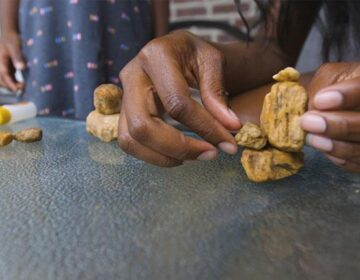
x: 156, y: 82
x: 11, y: 59
x: 333, y: 119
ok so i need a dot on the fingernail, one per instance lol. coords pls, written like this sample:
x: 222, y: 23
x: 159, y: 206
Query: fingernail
x: 228, y: 148
x: 336, y: 160
x: 328, y: 100
x: 209, y: 155
x: 232, y: 113
x: 313, y: 123
x: 319, y: 142
x: 19, y: 66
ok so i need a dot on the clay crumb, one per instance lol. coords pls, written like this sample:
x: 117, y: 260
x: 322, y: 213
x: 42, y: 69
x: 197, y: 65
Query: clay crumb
x: 28, y: 135
x: 5, y: 138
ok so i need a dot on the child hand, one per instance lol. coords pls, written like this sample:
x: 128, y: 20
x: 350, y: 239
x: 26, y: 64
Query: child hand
x: 11, y: 59
x: 333, y: 119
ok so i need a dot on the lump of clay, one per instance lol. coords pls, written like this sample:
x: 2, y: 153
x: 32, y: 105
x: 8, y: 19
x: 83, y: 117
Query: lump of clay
x: 251, y: 136
x: 287, y: 74
x: 5, y: 138
x: 104, y: 127
x: 282, y: 109
x: 107, y: 99
x: 270, y: 164
x: 29, y: 135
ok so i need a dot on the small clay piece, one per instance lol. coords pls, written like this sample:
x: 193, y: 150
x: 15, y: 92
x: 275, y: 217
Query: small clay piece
x: 104, y: 127
x: 107, y: 99
x: 282, y: 109
x: 270, y: 164
x: 288, y: 74
x: 251, y: 136
x: 28, y: 135
x: 5, y: 138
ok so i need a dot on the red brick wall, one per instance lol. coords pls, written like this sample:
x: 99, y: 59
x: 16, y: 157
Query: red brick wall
x: 221, y: 10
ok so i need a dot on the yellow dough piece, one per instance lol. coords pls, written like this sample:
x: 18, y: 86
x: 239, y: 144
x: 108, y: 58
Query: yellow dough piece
x: 280, y: 116
x: 251, y: 136
x: 107, y: 99
x: 287, y: 74
x: 104, y: 127
x: 270, y: 164
x: 28, y: 135
x: 5, y: 138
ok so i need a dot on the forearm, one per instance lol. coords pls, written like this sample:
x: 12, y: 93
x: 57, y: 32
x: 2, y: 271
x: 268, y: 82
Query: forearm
x: 161, y: 14
x: 9, y: 16
x: 278, y: 44
x: 251, y: 65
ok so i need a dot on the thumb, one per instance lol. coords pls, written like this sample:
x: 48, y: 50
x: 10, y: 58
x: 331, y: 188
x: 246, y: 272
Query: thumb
x: 213, y: 93
x: 331, y: 77
x: 340, y: 96
x: 16, y: 55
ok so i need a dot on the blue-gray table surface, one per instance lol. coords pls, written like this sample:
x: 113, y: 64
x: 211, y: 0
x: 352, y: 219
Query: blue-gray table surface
x: 72, y: 207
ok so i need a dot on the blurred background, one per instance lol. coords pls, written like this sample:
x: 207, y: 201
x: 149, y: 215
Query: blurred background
x: 225, y: 11
x: 214, y: 11
x: 218, y: 21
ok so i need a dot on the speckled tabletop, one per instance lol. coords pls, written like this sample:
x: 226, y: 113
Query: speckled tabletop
x: 72, y: 207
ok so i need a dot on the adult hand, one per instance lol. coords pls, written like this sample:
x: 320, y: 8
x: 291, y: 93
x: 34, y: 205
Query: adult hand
x: 333, y: 119
x: 11, y: 59
x: 157, y: 81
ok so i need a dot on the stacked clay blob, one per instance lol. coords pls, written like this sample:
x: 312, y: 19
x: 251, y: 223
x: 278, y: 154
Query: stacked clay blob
x: 103, y: 121
x: 274, y: 150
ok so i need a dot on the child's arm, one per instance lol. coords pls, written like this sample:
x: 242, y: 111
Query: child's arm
x: 160, y: 11
x: 9, y: 16
x: 11, y: 57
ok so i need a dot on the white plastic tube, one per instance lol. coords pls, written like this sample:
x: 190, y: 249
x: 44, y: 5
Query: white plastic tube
x: 17, y: 112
